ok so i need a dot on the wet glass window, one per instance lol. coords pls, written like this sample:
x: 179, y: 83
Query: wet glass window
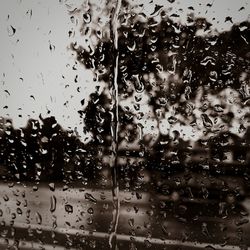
x: 124, y: 124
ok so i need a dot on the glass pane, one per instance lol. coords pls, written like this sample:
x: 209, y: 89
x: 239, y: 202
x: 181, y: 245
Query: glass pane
x: 124, y: 124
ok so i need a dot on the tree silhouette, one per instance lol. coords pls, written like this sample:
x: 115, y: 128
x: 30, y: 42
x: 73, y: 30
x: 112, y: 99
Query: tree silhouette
x: 181, y: 63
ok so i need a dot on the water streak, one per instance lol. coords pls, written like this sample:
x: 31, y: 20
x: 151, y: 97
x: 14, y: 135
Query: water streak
x: 115, y: 127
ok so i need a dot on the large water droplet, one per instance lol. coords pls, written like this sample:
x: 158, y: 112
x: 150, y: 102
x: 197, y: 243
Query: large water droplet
x: 68, y: 208
x: 90, y: 197
x: 52, y: 203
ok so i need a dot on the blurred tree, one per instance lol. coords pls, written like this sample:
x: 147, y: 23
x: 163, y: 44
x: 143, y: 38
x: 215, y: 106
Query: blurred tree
x: 176, y: 66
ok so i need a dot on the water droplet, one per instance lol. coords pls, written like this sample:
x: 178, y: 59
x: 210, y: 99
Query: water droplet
x: 131, y: 222
x: 218, y: 108
x: 90, y: 197
x: 206, y: 121
x: 52, y: 203
x: 6, y: 197
x: 52, y: 186
x: 204, y: 229
x: 38, y: 218
x: 138, y: 84
x: 90, y: 221
x: 68, y: 208
x: 147, y: 243
x: 213, y: 75
x: 132, y: 47
x: 208, y: 60
x: 19, y: 211
x: 11, y: 30
x: 241, y: 222
x: 172, y: 120
x: 91, y: 210
x: 210, y: 247
x: 87, y: 18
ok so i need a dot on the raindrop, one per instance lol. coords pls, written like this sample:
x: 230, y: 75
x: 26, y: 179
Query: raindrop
x: 6, y: 91
x: 139, y: 86
x: 87, y: 18
x: 132, y: 47
x: 38, y: 218
x: 90, y: 221
x: 68, y: 208
x: 90, y: 197
x: 28, y: 213
x: 182, y: 209
x: 91, y: 210
x: 208, y: 60
x: 147, y: 243
x: 52, y: 203
x: 218, y: 108
x: 213, y: 76
x: 11, y: 30
x: 229, y: 19
x: 19, y: 211
x: 241, y: 222
x: 54, y: 222
x: 6, y: 197
x: 209, y: 247
x: 131, y: 222
x: 138, y: 196
x: 164, y: 228
x: 206, y: 121
x: 157, y: 9
x: 172, y: 120
x: 52, y: 186
x: 204, y: 229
